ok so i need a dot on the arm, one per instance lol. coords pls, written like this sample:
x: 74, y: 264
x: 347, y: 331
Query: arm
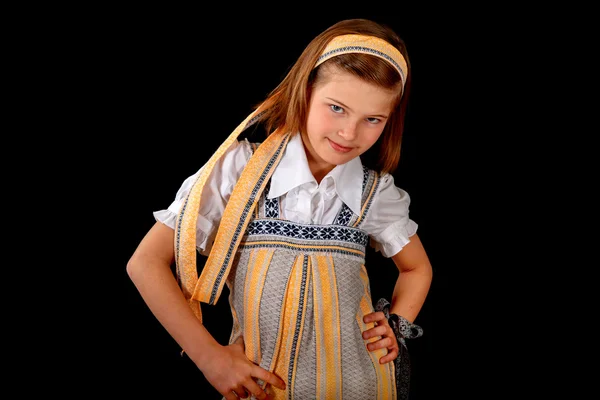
x: 409, y: 295
x: 226, y: 367
x: 150, y: 270
x: 394, y: 234
x: 414, y: 280
x: 150, y: 265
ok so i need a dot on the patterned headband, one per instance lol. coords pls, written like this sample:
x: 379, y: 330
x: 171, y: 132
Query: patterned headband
x: 369, y: 45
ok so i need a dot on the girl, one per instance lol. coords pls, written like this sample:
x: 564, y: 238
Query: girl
x: 285, y: 224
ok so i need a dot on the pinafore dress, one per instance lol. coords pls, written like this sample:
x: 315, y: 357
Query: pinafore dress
x: 298, y: 295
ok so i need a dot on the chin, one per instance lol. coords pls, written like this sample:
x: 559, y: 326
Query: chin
x: 338, y: 159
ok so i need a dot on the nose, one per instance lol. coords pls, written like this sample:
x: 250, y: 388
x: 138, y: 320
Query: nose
x: 348, y: 131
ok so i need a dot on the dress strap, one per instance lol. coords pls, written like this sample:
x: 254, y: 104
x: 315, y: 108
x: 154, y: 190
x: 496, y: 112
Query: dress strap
x: 369, y: 187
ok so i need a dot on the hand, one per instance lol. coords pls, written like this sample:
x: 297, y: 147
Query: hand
x: 387, y: 338
x: 233, y: 374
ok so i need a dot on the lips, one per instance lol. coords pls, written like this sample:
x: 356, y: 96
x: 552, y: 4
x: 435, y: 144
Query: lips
x: 338, y: 147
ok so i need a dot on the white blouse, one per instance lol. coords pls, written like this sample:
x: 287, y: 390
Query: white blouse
x: 302, y: 200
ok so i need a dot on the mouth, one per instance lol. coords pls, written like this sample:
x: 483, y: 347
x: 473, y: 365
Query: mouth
x: 338, y: 147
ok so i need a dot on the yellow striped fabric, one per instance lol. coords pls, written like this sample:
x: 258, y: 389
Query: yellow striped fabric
x: 185, y: 226
x: 386, y: 387
x: 237, y: 215
x: 327, y: 329
x: 255, y: 281
x: 290, y: 333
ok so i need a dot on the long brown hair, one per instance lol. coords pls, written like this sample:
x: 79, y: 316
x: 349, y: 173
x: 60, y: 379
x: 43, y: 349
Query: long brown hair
x: 286, y: 107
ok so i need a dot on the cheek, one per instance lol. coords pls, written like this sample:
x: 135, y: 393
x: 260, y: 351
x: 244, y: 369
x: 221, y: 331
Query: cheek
x: 370, y: 138
x: 321, y: 123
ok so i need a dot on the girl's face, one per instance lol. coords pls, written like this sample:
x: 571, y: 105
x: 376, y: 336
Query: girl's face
x: 346, y: 116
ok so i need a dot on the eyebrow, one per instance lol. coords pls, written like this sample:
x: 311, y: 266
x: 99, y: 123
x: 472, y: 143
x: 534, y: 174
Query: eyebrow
x: 345, y: 106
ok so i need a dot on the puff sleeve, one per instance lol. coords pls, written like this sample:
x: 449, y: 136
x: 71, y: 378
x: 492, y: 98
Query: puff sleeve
x: 388, y: 222
x: 216, y: 193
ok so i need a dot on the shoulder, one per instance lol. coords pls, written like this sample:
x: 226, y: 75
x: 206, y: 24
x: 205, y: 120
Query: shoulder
x: 388, y: 221
x: 380, y: 184
x: 387, y: 188
x: 243, y: 147
x: 383, y: 200
x: 236, y: 156
x: 252, y: 146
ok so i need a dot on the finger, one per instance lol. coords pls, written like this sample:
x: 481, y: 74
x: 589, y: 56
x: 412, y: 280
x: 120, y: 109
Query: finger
x: 230, y: 396
x: 241, y: 392
x: 390, y: 356
x: 255, y: 389
x: 374, y: 317
x: 376, y: 331
x: 380, y: 344
x: 269, y: 377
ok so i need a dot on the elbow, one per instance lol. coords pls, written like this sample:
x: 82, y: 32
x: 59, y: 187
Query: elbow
x: 141, y: 264
x: 423, y: 270
x: 426, y: 270
x: 132, y: 267
x: 429, y: 269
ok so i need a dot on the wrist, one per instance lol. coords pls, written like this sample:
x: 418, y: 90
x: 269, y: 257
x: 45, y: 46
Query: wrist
x: 402, y: 327
x: 205, y: 354
x: 405, y: 328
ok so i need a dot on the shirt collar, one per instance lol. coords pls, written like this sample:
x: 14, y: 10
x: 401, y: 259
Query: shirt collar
x: 293, y: 171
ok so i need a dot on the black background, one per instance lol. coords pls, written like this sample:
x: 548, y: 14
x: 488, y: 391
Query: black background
x: 170, y: 85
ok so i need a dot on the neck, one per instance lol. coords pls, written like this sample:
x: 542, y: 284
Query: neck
x: 318, y: 167
x: 319, y: 171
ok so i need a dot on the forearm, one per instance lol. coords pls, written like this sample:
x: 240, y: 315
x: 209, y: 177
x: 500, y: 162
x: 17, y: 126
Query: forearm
x: 159, y: 289
x: 410, y: 292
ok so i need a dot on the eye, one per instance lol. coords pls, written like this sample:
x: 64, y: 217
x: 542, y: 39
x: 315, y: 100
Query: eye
x: 374, y: 120
x: 336, y: 109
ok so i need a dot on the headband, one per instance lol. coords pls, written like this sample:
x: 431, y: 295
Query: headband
x: 207, y: 288
x: 368, y: 45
